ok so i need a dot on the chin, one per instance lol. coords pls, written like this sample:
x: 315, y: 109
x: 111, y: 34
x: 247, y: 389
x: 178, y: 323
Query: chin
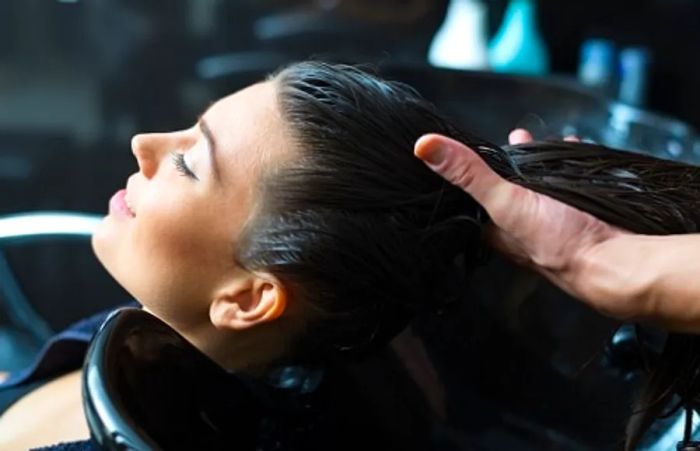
x: 105, y: 246
x: 99, y: 241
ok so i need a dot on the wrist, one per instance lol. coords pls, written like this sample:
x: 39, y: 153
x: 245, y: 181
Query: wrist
x: 616, y: 278
x: 673, y: 295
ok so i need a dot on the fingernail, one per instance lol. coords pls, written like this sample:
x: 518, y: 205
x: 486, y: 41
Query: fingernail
x: 434, y: 155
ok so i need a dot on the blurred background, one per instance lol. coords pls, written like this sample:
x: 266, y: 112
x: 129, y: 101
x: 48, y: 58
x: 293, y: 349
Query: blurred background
x: 79, y: 77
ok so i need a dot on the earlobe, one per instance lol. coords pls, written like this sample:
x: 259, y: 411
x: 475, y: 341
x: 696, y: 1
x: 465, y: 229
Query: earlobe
x: 245, y: 304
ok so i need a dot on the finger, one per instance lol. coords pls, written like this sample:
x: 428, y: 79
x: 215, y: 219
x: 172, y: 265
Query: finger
x: 519, y: 136
x: 464, y: 168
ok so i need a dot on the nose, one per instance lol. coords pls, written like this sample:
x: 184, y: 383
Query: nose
x: 149, y: 148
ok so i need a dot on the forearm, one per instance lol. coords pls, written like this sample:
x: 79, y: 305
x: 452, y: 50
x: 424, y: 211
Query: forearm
x: 645, y: 278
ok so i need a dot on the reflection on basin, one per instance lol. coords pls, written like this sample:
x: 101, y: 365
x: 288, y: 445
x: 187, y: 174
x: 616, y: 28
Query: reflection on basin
x: 662, y: 136
x: 490, y: 105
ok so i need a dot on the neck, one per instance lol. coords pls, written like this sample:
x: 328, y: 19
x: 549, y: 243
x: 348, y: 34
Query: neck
x: 249, y: 351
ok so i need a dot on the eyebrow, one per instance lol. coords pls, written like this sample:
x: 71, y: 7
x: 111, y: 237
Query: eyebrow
x: 211, y: 145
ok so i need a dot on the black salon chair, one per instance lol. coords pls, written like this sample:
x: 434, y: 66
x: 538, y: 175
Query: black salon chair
x: 25, y: 330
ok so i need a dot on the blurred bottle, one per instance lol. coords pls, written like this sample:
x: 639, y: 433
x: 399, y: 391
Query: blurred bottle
x: 518, y: 46
x: 460, y: 42
x: 597, y: 66
x: 634, y: 75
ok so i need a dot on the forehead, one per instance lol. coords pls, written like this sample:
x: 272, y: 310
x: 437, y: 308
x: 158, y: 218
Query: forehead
x: 248, y: 130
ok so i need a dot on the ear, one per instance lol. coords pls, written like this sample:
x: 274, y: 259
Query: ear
x: 249, y: 300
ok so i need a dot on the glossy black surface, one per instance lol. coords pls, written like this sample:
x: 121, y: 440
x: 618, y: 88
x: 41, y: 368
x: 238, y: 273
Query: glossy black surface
x: 145, y: 387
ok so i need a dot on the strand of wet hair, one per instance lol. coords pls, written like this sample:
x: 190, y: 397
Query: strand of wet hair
x: 636, y: 192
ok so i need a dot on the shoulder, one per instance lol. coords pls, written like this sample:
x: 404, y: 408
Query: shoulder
x: 51, y: 413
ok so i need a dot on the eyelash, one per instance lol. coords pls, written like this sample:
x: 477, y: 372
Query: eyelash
x: 179, y: 161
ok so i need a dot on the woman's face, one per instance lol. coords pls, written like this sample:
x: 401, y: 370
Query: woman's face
x: 169, y: 238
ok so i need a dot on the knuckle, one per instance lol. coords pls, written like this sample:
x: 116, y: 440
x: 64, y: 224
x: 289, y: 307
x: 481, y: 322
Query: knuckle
x: 462, y: 175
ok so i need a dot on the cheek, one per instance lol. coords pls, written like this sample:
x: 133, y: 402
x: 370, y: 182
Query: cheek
x: 175, y: 233
x: 172, y: 260
x: 159, y: 256
x: 163, y: 244
x: 161, y: 233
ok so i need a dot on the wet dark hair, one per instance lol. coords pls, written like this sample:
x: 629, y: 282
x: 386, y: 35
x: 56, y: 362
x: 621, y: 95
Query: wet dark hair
x: 368, y: 236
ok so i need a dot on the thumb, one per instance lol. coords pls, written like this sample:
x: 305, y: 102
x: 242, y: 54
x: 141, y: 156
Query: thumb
x: 464, y: 168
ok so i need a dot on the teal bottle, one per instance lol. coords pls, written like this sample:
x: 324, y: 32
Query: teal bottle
x: 461, y: 41
x: 518, y: 46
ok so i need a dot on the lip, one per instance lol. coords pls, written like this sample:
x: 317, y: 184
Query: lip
x: 117, y: 205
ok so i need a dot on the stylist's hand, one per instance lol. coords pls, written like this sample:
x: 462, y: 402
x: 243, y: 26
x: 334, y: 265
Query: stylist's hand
x: 562, y: 243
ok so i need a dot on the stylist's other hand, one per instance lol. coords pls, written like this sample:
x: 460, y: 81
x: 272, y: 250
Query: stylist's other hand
x: 559, y: 241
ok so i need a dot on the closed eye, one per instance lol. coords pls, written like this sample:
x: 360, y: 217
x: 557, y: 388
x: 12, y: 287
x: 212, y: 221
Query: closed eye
x: 181, y: 166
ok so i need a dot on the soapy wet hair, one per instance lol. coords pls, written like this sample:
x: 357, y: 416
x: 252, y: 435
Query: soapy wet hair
x: 369, y: 237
